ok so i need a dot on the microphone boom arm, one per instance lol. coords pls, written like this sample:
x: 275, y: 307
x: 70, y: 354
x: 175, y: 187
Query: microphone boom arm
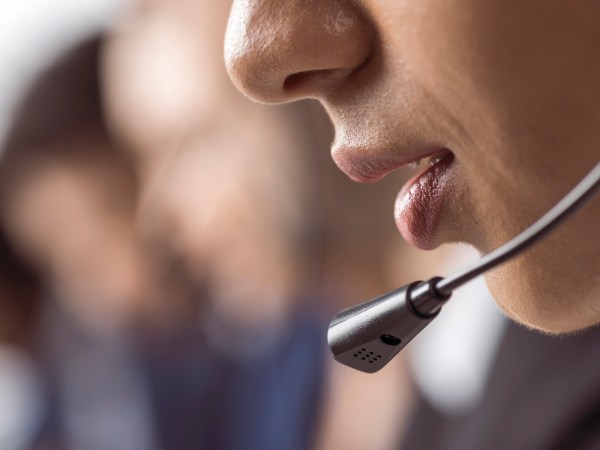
x: 366, y: 337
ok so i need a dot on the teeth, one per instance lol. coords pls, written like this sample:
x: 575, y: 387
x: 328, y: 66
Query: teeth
x: 434, y: 160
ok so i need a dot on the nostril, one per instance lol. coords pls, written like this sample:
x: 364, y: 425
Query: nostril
x: 300, y: 83
x: 294, y: 80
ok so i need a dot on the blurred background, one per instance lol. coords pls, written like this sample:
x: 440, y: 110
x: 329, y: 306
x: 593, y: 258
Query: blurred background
x: 171, y: 254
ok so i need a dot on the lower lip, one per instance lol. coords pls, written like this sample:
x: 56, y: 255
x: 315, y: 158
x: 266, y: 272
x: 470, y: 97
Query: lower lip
x: 420, y: 203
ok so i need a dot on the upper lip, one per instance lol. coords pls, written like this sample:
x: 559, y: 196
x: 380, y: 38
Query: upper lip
x: 367, y: 167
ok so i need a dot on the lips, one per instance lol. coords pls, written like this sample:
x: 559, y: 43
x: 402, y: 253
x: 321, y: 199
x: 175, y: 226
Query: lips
x: 363, y: 167
x: 420, y: 203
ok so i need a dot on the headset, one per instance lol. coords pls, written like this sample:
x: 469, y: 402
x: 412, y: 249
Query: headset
x: 367, y: 336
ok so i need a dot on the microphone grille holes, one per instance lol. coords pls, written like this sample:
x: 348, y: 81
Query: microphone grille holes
x: 367, y: 356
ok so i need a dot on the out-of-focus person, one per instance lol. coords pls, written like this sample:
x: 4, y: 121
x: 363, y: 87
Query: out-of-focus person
x: 68, y: 200
x: 209, y: 331
x: 238, y: 198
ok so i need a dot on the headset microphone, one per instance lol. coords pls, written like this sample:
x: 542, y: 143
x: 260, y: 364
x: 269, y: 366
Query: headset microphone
x: 366, y: 337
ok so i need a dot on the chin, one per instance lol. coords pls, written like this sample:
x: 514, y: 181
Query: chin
x: 536, y: 320
x: 543, y: 307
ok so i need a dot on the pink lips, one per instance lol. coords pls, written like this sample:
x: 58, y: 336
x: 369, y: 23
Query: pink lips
x: 363, y: 167
x: 420, y: 203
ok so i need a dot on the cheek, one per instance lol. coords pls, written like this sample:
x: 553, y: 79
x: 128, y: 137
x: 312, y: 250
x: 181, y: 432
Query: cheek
x: 447, y: 51
x: 513, y: 75
x: 514, y: 87
x: 442, y: 61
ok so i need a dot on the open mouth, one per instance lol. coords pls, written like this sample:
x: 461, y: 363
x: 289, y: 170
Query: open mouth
x: 420, y: 203
x: 421, y: 200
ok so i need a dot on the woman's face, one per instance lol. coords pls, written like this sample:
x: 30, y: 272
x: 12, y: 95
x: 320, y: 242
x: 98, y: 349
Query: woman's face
x: 503, y: 94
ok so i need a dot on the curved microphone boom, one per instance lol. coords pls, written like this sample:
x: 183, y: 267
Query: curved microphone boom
x: 366, y: 337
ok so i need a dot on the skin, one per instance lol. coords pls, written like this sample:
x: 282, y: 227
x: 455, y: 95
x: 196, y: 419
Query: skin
x: 510, y: 87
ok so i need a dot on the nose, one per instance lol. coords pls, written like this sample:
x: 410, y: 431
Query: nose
x: 277, y: 51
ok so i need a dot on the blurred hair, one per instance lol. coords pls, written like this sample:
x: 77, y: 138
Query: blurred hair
x: 60, y: 123
x: 64, y: 96
x: 19, y: 295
